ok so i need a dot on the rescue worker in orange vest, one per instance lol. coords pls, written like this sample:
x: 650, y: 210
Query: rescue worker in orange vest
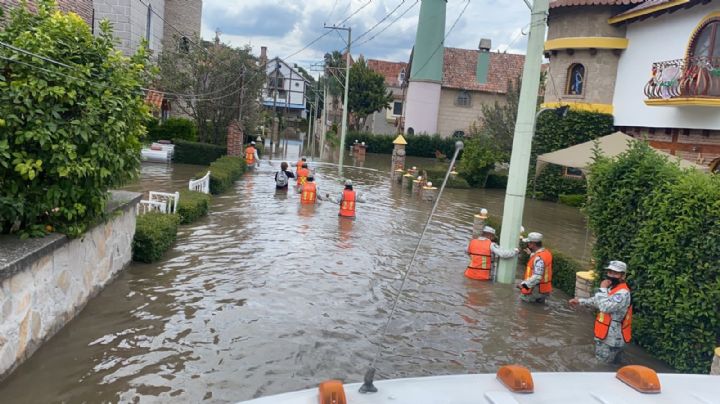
x: 484, y: 252
x: 251, y: 156
x: 308, y: 191
x: 537, y: 284
x: 300, y: 163
x: 347, y: 200
x: 614, y: 318
x: 302, y: 174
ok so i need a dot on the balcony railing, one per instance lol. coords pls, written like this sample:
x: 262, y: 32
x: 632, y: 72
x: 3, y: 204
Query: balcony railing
x: 691, y: 79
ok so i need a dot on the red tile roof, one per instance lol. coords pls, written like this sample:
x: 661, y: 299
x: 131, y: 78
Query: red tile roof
x: 390, y: 70
x: 566, y: 3
x: 154, y: 98
x: 460, y: 70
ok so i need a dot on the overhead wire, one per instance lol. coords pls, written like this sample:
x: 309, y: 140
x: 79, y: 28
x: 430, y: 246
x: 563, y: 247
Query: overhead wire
x: 389, y: 25
x: 380, y: 21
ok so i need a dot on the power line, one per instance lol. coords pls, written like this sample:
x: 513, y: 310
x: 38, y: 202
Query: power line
x: 389, y: 25
x: 381, y: 20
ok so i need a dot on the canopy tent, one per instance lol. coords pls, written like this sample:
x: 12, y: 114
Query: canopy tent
x: 580, y: 156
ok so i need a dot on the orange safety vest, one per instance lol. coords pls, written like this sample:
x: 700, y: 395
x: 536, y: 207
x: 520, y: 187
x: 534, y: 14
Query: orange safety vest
x: 302, y: 175
x: 347, y: 205
x: 546, y: 281
x: 480, y: 259
x: 249, y: 155
x: 309, y: 193
x: 603, y: 320
x: 299, y: 164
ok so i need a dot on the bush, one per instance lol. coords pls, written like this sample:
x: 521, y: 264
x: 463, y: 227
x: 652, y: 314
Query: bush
x: 418, y: 145
x: 552, y: 182
x: 197, y: 153
x: 192, y: 206
x: 224, y: 172
x: 479, y: 157
x: 154, y: 234
x: 564, y: 270
x: 665, y: 224
x: 172, y: 128
x: 572, y: 200
x: 496, y: 180
x: 64, y: 140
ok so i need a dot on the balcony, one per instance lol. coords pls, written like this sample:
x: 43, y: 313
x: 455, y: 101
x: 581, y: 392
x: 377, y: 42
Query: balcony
x: 694, y: 81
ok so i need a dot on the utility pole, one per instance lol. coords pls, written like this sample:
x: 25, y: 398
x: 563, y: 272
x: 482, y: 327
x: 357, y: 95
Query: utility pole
x: 317, y: 105
x: 274, y: 132
x: 240, y: 109
x: 522, y: 141
x: 343, y: 132
x: 310, y: 125
x: 324, y: 119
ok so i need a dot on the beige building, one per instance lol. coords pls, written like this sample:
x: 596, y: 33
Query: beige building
x: 387, y: 120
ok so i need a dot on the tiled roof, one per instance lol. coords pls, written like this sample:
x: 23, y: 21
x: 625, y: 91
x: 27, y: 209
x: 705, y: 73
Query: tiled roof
x: 154, y: 98
x: 390, y: 70
x: 567, y: 3
x: 460, y: 70
x: 666, y: 4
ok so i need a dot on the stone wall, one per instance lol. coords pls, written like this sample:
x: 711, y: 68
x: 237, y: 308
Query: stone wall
x: 567, y: 22
x: 45, y: 282
x: 183, y: 16
x: 452, y: 117
x: 600, y: 74
x: 129, y: 20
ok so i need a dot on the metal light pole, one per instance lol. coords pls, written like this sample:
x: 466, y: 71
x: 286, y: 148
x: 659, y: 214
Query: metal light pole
x: 522, y: 141
x: 345, y: 107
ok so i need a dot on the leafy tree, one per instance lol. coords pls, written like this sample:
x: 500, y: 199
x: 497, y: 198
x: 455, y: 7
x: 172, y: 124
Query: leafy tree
x: 367, y: 93
x: 69, y: 130
x: 498, y: 119
x: 335, y: 72
x: 478, y: 157
x: 227, y: 80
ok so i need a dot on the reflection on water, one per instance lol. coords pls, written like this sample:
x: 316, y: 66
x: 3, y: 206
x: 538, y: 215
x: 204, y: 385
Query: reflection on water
x: 265, y: 296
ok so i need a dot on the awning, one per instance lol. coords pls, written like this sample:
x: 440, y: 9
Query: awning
x: 581, y: 155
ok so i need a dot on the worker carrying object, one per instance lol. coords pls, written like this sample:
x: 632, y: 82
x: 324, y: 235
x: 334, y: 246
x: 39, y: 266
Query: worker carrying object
x: 484, y: 253
x: 347, y: 200
x: 302, y: 174
x: 251, y: 155
x: 537, y: 283
x: 613, y: 323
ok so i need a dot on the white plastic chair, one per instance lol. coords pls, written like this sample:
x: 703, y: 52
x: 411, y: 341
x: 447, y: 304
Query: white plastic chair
x: 201, y: 185
x: 171, y: 200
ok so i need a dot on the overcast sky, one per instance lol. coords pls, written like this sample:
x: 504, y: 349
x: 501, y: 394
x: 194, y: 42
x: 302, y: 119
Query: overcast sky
x: 286, y: 26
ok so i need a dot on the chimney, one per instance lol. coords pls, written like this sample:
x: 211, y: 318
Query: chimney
x: 483, y: 63
x: 485, y: 45
x: 263, y: 55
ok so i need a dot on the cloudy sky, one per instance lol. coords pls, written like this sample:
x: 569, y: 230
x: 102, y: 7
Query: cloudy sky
x: 287, y: 26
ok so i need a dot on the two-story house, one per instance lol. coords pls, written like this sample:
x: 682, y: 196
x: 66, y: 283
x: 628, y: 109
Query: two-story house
x: 386, y: 121
x: 285, y: 90
x: 654, y: 65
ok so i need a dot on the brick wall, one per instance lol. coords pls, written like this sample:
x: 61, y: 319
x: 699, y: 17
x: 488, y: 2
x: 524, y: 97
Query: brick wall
x: 83, y: 8
x: 452, y: 117
x: 234, y: 140
x: 696, y: 145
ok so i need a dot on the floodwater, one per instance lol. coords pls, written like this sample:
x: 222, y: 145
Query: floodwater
x: 263, y: 296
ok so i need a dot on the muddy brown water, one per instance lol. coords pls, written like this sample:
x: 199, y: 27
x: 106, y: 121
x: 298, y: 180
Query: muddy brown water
x: 263, y: 296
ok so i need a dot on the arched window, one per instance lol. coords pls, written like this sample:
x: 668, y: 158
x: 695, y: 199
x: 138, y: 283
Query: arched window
x: 463, y: 99
x: 706, y: 41
x: 575, y: 79
x: 458, y: 134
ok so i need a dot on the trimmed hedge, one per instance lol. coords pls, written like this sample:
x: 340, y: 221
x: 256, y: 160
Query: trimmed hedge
x: 665, y: 223
x: 192, y: 206
x: 197, y: 153
x: 418, y: 145
x: 155, y: 232
x: 496, y: 180
x: 224, y: 172
x: 551, y: 183
x: 572, y: 200
x: 172, y: 128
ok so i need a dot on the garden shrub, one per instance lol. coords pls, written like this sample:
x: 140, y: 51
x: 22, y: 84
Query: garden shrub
x: 155, y: 233
x: 552, y: 182
x: 479, y: 157
x: 496, y: 180
x: 564, y: 270
x: 67, y: 135
x: 665, y: 224
x: 572, y: 200
x: 418, y: 145
x: 172, y: 128
x: 224, y: 172
x: 197, y: 153
x: 192, y: 206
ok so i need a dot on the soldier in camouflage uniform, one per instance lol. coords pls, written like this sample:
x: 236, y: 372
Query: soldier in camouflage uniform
x: 614, y: 318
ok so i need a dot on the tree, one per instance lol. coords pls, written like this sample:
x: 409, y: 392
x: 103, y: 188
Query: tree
x: 498, y: 119
x: 478, y: 158
x: 367, y: 93
x: 69, y: 129
x: 227, y: 81
x: 335, y: 72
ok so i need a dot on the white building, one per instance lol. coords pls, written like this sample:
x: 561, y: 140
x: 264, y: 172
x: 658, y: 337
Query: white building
x: 285, y: 89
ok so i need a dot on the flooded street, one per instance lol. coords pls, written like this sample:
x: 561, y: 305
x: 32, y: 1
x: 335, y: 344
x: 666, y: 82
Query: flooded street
x: 263, y: 296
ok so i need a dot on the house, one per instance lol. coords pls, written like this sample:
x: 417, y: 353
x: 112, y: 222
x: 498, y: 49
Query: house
x: 386, y: 121
x: 285, y: 90
x: 654, y: 65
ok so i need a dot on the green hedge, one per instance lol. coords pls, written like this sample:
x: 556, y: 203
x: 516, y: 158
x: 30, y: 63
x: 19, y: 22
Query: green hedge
x: 224, y: 172
x: 172, y: 128
x: 192, y: 206
x: 418, y: 145
x: 196, y: 153
x: 497, y: 180
x: 564, y: 270
x: 552, y: 182
x: 665, y: 223
x: 572, y: 200
x: 154, y: 234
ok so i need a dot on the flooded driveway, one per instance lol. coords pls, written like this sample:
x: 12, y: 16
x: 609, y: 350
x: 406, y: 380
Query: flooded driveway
x: 263, y: 296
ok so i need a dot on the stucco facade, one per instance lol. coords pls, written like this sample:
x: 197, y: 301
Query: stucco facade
x: 452, y: 117
x: 292, y: 89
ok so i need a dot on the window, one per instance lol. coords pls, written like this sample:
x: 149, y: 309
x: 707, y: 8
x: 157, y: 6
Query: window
x: 411, y: 131
x: 401, y: 77
x: 575, y: 79
x: 463, y: 99
x: 276, y: 80
x: 706, y: 42
x: 148, y: 24
x: 397, y: 108
x: 573, y: 172
x: 184, y: 44
x: 458, y: 134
